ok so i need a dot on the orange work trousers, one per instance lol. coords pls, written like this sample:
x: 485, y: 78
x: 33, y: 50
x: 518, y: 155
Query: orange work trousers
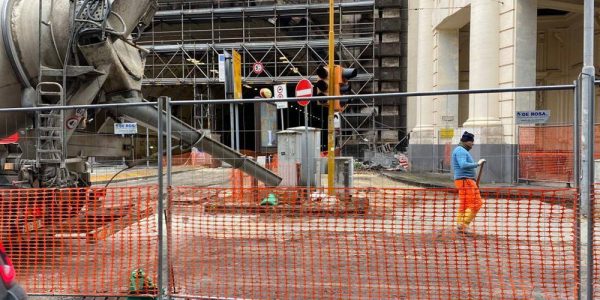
x: 470, y: 200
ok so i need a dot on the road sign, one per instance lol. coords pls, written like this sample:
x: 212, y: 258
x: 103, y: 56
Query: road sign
x: 304, y: 88
x: 532, y: 117
x: 446, y: 133
x: 258, y: 68
x: 280, y: 93
x: 126, y: 128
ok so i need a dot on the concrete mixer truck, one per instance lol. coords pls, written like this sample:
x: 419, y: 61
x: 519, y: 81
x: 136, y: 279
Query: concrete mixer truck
x: 77, y: 52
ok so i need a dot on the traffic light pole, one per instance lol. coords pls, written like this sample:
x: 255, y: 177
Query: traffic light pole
x: 330, y: 123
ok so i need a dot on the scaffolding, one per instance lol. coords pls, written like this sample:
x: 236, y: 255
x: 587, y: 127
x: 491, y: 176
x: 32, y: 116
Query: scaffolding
x: 288, y: 38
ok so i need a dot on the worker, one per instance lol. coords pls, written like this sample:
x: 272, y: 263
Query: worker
x: 464, y: 180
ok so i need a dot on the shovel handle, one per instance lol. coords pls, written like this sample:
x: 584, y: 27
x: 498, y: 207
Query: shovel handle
x: 480, y: 172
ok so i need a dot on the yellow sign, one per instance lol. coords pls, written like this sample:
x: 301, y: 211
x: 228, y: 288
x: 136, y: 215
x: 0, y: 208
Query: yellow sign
x: 447, y: 133
x: 237, y: 75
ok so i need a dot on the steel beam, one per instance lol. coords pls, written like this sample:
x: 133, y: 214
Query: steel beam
x: 248, y: 80
x: 262, y: 11
x: 191, y: 47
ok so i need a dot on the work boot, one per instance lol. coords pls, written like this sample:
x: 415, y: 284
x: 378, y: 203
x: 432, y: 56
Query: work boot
x: 460, y: 217
x: 462, y: 228
x: 469, y: 216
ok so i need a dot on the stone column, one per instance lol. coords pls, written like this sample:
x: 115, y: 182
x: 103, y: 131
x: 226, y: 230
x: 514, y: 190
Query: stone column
x: 423, y: 132
x: 447, y: 72
x: 525, y: 52
x: 484, y: 62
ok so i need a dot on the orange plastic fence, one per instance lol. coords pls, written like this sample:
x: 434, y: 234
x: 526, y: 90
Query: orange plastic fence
x: 363, y: 244
x: 80, y: 241
x: 546, y: 153
x: 373, y: 244
x: 194, y: 158
x: 596, y: 195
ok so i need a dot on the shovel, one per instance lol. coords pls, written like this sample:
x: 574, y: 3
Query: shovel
x: 480, y: 172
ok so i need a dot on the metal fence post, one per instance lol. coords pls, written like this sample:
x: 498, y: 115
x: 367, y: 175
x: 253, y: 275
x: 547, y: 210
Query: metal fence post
x: 576, y: 133
x: 308, y: 160
x: 168, y: 210
x: 586, y: 224
x: 160, y: 209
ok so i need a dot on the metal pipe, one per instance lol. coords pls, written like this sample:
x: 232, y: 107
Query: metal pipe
x: 317, y: 43
x: 308, y: 161
x: 146, y: 115
x: 120, y: 105
x: 248, y: 80
x: 586, y: 224
x: 386, y: 95
x: 588, y: 33
x: 159, y: 117
x: 576, y: 134
x: 264, y: 10
x: 147, y: 147
x: 168, y: 211
x: 237, y: 126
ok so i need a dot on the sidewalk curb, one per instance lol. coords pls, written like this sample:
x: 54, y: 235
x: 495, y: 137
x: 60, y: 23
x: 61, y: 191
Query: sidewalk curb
x: 490, y: 191
x: 414, y: 182
x: 137, y: 178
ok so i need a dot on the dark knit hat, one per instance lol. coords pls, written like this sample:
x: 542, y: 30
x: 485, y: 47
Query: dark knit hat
x: 467, y: 137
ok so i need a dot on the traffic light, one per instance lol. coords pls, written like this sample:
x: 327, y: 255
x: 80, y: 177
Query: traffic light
x: 322, y: 84
x: 342, y: 77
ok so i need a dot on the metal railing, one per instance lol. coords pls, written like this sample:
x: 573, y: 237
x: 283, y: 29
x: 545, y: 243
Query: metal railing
x: 378, y: 281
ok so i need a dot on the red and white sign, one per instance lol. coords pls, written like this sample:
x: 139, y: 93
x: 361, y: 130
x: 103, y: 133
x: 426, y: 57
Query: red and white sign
x: 280, y: 93
x: 258, y: 68
x: 304, y: 89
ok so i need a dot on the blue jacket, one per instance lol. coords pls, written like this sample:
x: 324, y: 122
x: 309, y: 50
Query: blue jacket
x: 463, y: 164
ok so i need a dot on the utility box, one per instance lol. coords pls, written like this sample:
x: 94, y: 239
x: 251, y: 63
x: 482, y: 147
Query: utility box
x: 296, y: 147
x: 289, y: 153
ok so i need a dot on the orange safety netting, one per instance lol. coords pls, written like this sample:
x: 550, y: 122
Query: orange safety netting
x: 80, y: 241
x: 193, y: 158
x: 596, y: 239
x: 546, y: 153
x: 366, y: 243
x: 372, y: 244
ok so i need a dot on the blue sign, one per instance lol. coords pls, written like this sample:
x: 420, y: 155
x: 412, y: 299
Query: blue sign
x: 532, y: 117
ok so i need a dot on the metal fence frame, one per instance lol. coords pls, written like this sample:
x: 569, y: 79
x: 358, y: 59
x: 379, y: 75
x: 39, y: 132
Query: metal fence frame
x: 585, y: 262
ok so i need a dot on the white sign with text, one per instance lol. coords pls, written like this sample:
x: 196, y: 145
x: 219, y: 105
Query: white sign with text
x: 280, y: 93
x: 126, y: 128
x: 532, y: 117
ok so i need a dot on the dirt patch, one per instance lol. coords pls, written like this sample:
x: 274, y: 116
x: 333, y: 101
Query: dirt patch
x: 341, y: 265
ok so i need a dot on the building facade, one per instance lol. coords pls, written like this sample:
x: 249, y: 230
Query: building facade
x: 480, y: 44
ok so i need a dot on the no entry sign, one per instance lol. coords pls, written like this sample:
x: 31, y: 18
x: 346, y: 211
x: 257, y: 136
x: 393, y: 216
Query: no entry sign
x: 304, y: 88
